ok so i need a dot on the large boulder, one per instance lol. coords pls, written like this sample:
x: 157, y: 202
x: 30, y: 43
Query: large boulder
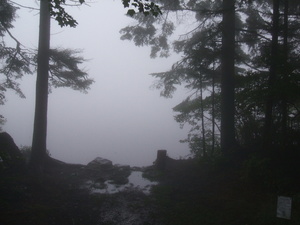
x: 120, y: 174
x: 101, y: 170
x: 100, y: 164
x: 10, y: 155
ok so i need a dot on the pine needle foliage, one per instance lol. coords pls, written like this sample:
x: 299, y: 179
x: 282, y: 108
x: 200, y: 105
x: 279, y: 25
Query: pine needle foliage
x: 65, y: 71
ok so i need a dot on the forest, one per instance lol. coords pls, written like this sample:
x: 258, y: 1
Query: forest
x: 240, y: 64
x: 241, y: 70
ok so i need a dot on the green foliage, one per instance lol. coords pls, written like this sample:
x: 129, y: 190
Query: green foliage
x: 57, y: 10
x: 218, y: 195
x: 14, y: 64
x: 2, y: 122
x: 64, y: 70
x: 257, y: 170
x: 60, y: 15
x: 143, y: 6
x: 199, y: 69
x: 146, y: 33
x: 26, y: 152
x: 14, y: 61
x: 257, y: 39
x: 3, y: 157
x: 7, y: 16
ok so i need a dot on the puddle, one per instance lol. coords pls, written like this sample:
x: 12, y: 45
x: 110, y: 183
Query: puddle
x: 136, y: 181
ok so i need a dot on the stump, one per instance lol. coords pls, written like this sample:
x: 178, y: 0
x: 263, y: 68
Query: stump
x: 161, y: 159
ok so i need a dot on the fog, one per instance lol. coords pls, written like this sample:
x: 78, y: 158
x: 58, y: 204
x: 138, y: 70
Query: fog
x: 121, y: 118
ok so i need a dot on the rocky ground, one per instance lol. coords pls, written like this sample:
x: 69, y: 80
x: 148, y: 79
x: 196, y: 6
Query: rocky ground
x: 97, y: 193
x: 236, y: 191
x: 75, y: 194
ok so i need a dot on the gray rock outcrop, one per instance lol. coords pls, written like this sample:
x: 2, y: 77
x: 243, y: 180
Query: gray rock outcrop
x: 10, y: 156
x: 101, y: 170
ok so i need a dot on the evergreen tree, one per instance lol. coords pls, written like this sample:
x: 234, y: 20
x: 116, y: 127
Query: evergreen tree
x: 57, y: 10
x: 63, y: 67
x: 252, y: 78
x: 228, y: 56
x: 14, y: 61
x: 202, y: 62
x: 272, y: 72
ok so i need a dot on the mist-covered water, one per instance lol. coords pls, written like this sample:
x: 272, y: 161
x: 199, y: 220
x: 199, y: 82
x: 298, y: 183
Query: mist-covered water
x: 121, y: 118
x: 135, y: 181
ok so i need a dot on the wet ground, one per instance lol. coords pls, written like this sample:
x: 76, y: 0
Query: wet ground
x: 73, y: 194
x: 188, y: 192
x: 136, y: 182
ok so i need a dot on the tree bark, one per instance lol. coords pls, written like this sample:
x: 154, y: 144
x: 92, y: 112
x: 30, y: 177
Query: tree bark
x: 202, y: 118
x: 284, y: 105
x: 39, y: 147
x: 213, y: 114
x: 272, y: 76
x: 227, y: 77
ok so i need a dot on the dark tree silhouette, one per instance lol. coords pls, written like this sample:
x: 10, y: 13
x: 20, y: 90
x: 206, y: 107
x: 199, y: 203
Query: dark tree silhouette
x: 63, y: 18
x: 272, y: 76
x: 55, y: 8
x: 14, y: 61
x: 227, y: 76
x: 39, y: 148
x: 55, y: 68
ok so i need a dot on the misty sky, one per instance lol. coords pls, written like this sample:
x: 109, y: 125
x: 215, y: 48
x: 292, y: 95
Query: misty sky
x: 121, y: 118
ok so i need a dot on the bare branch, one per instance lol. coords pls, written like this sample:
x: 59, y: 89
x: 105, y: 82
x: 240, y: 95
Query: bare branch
x: 23, y: 6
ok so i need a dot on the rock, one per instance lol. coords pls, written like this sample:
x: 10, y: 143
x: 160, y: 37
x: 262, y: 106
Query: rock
x: 100, y: 164
x: 120, y: 174
x: 137, y: 168
x: 122, y: 168
x: 99, y: 168
x: 11, y: 157
x: 102, y: 172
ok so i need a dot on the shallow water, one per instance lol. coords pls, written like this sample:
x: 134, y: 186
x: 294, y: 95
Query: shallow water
x: 136, y: 181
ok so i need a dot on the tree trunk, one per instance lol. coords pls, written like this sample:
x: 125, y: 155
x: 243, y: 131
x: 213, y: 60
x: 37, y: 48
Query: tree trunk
x: 227, y: 76
x: 38, y: 154
x: 213, y: 115
x: 284, y: 105
x: 272, y: 77
x: 202, y: 119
